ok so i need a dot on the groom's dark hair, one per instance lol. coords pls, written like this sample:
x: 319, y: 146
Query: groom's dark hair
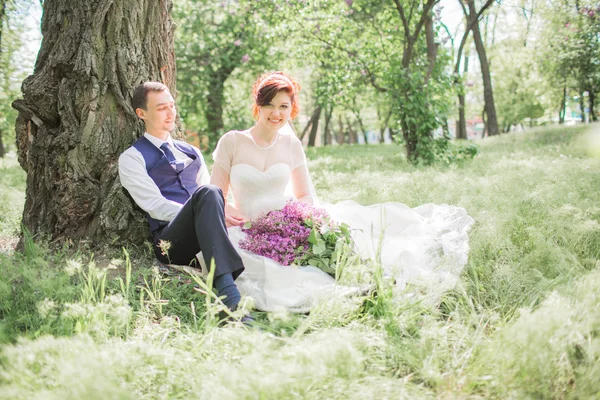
x: 140, y: 94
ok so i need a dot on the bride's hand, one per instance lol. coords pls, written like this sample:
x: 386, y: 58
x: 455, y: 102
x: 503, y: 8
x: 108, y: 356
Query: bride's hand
x: 233, y: 217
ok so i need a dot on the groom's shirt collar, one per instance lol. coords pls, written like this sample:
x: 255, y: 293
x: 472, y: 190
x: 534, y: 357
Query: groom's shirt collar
x: 158, y: 142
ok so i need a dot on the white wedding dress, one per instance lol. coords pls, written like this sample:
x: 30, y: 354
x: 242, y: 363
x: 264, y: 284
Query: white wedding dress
x: 427, y: 245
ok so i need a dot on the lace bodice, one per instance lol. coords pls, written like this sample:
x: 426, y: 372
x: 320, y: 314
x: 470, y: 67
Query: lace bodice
x: 261, y: 178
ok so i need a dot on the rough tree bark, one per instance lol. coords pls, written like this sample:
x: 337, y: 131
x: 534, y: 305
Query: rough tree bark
x: 75, y: 117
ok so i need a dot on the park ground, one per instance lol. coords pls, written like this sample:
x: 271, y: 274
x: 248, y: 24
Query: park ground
x: 523, y: 322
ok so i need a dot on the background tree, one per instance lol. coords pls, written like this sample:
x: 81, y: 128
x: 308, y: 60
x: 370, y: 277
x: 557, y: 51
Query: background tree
x: 215, y: 40
x: 75, y: 117
x: 391, y: 46
x: 473, y: 15
x: 17, y: 31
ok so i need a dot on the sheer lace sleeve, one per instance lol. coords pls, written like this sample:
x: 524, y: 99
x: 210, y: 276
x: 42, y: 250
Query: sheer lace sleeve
x: 300, y: 177
x: 223, y: 158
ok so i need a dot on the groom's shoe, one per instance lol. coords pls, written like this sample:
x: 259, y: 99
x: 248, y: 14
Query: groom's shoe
x: 247, y: 320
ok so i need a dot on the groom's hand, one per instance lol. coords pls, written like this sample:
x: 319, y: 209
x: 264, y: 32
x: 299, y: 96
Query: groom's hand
x: 233, y: 217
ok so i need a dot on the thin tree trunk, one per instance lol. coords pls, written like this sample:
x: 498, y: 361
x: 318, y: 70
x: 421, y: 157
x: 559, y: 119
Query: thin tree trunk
x: 361, y: 126
x: 313, y: 117
x: 315, y: 127
x: 384, y: 126
x: 582, y: 106
x: 340, y: 135
x: 488, y: 93
x: 483, y: 117
x: 432, y: 46
x: 75, y: 117
x: 563, y: 106
x: 461, y: 124
x: 327, y: 130
x: 592, y: 101
x: 1, y: 145
x: 214, y: 105
x: 352, y: 135
x: 2, y: 14
x: 471, y: 21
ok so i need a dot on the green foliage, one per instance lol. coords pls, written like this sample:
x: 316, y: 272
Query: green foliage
x: 329, y: 243
x: 15, y: 62
x: 570, y: 47
x: 214, y: 43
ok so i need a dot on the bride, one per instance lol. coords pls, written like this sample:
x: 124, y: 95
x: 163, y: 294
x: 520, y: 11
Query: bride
x: 265, y: 166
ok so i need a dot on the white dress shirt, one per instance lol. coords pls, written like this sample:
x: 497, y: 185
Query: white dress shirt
x: 143, y: 190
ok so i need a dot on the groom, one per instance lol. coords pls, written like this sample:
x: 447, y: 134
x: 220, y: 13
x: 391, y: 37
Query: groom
x: 168, y: 179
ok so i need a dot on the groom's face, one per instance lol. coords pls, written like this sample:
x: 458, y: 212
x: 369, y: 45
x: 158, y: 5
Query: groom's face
x: 277, y: 113
x: 159, y: 115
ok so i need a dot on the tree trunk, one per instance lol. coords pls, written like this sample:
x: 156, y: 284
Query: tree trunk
x: 432, y: 46
x: 384, y: 126
x: 582, y: 106
x: 1, y: 145
x: 315, y: 127
x: 563, y: 106
x: 352, y: 135
x: 488, y: 94
x: 461, y: 124
x: 361, y: 126
x: 340, y: 136
x: 592, y: 101
x: 314, y: 117
x: 214, y: 104
x: 327, y: 130
x: 2, y: 13
x: 75, y: 117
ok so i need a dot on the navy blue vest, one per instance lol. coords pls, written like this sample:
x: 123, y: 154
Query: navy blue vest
x: 173, y: 185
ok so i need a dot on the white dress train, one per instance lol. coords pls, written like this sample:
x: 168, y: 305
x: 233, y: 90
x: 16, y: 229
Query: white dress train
x: 426, y: 245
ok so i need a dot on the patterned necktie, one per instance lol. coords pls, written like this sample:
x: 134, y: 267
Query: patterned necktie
x: 171, y: 157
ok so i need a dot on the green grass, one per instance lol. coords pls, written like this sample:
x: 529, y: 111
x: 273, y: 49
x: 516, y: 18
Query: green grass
x: 524, y: 321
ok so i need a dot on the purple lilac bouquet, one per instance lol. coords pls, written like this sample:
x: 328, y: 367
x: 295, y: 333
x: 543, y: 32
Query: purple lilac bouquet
x: 299, y: 234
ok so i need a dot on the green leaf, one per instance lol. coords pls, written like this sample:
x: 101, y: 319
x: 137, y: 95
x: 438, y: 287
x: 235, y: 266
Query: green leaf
x: 319, y: 248
x: 314, y: 236
x: 247, y: 225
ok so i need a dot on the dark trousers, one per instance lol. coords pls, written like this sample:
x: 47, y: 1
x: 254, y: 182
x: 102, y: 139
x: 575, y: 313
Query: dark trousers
x: 200, y: 226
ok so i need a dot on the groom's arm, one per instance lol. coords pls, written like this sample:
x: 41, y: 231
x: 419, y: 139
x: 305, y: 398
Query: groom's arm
x: 143, y: 190
x: 203, y: 177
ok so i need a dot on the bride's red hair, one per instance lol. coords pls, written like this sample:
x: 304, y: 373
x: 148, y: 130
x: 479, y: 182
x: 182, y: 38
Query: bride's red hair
x: 268, y: 85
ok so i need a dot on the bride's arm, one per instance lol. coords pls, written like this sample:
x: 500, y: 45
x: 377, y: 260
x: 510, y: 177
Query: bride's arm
x: 220, y: 178
x: 300, y: 177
